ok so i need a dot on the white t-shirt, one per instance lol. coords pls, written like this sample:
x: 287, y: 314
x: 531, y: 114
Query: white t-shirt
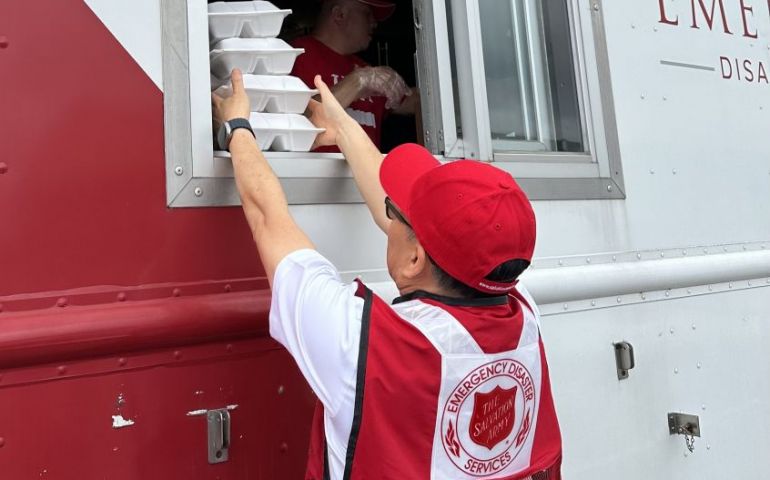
x: 317, y: 318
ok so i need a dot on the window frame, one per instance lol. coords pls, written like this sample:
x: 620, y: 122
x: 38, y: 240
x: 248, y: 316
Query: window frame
x: 197, y: 176
x: 596, y: 174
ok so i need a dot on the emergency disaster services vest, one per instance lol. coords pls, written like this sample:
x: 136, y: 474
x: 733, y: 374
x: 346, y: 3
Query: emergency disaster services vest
x: 431, y: 403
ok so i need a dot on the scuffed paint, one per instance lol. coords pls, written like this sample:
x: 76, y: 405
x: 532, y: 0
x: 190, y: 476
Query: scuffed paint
x: 119, y: 422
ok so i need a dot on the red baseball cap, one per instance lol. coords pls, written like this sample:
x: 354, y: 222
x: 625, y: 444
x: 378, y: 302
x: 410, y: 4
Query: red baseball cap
x: 468, y: 215
x: 382, y: 9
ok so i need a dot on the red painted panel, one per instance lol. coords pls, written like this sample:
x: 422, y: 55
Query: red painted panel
x: 62, y: 429
x: 61, y: 334
x: 83, y: 196
x: 82, y: 210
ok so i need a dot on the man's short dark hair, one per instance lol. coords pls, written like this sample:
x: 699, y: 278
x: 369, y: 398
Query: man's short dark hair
x: 326, y: 7
x: 504, y: 273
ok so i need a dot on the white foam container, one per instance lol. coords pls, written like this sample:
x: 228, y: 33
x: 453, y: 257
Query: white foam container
x: 274, y: 94
x: 259, y: 56
x: 244, y: 19
x: 281, y: 132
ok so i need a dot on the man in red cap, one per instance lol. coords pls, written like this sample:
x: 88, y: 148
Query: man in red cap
x: 451, y: 380
x: 344, y: 28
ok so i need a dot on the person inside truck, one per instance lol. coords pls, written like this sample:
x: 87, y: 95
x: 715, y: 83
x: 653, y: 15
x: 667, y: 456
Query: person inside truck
x: 451, y: 380
x: 344, y: 28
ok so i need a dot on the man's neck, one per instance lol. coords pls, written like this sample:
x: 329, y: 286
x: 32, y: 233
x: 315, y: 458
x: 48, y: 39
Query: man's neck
x: 431, y: 288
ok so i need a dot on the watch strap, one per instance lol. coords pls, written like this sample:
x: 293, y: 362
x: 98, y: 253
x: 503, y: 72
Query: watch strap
x: 225, y: 133
x: 237, y: 123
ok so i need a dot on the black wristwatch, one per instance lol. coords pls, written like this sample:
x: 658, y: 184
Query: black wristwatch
x: 225, y: 133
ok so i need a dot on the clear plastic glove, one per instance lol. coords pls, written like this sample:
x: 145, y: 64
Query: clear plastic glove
x: 383, y: 81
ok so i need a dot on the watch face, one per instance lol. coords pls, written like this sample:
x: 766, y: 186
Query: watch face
x: 222, y: 134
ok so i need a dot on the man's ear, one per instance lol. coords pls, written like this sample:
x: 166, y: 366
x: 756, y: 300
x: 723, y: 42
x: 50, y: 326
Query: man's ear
x: 419, y: 264
x: 339, y: 12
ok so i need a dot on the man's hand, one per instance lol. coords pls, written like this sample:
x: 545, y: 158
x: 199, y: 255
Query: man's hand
x: 327, y: 114
x: 234, y: 106
x: 382, y: 81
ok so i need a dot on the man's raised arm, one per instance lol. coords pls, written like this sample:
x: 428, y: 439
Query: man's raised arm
x: 361, y: 154
x: 264, y: 202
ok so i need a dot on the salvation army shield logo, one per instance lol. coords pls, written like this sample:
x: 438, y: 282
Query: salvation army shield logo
x: 487, y: 418
x: 493, y: 416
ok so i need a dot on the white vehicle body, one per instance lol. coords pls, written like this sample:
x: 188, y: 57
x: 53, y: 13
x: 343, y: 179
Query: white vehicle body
x: 677, y: 264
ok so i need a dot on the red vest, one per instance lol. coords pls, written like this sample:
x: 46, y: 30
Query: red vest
x: 448, y: 389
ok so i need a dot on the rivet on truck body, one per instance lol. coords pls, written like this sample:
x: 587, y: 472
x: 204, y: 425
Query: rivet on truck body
x: 176, y: 292
x: 61, y: 370
x: 178, y: 170
x: 198, y: 191
x: 2, y: 442
x: 3, y: 168
x: 122, y: 297
x: 122, y: 361
x: 62, y: 302
x: 3, y: 41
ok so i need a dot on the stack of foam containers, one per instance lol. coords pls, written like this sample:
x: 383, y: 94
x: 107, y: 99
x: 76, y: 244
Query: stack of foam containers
x: 242, y: 36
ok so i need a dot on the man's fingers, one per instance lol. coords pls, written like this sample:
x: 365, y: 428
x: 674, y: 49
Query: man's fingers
x: 216, y: 100
x: 323, y: 89
x: 313, y: 105
x: 237, y: 81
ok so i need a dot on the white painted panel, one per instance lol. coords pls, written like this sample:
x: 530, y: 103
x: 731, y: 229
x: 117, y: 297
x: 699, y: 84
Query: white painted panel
x: 346, y: 235
x: 136, y: 25
x: 695, y: 156
x: 613, y: 427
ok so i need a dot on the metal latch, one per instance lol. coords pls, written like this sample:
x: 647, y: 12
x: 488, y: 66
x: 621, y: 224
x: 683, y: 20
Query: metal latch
x: 624, y: 358
x: 684, y: 424
x: 218, y: 432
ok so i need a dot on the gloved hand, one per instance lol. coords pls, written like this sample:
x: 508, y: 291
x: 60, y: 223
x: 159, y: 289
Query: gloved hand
x: 383, y: 81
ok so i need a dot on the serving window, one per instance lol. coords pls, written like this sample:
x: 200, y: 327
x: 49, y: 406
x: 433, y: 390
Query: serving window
x: 530, y: 92
x: 521, y: 83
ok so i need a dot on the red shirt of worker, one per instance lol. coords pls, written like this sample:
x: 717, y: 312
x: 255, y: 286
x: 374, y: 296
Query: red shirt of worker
x: 344, y: 28
x: 450, y: 381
